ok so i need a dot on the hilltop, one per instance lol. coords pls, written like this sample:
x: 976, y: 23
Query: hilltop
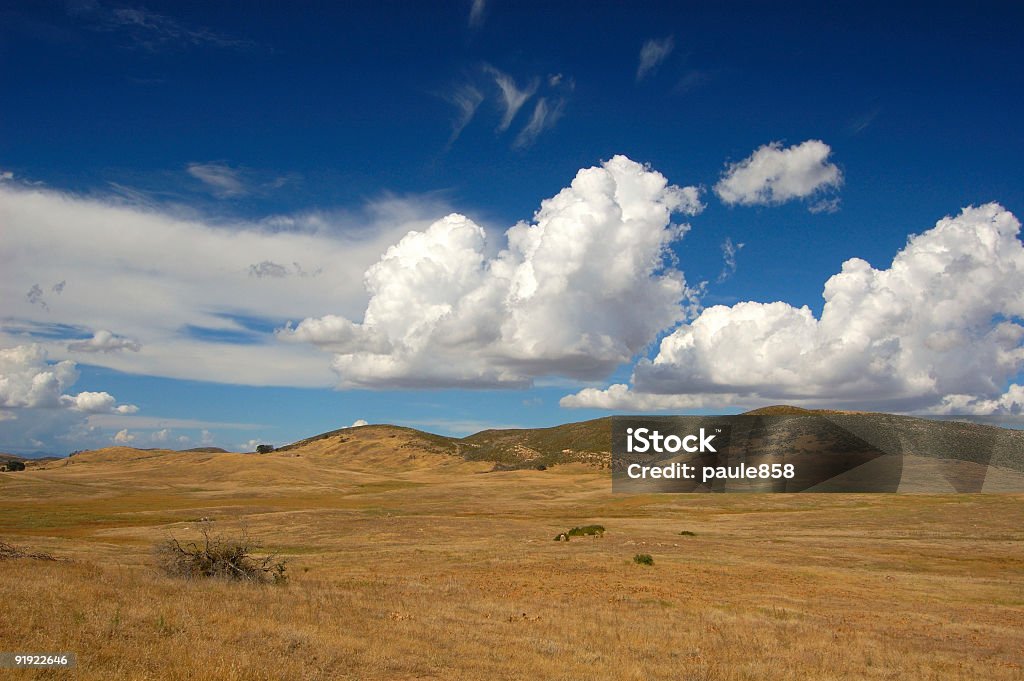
x: 777, y: 430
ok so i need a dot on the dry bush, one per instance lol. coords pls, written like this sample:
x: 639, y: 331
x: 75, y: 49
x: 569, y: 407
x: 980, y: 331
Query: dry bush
x: 219, y: 556
x: 9, y: 552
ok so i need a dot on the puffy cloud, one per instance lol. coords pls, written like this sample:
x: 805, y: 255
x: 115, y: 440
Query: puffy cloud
x: 29, y: 381
x: 1009, y: 403
x: 938, y: 329
x: 652, y: 54
x: 618, y: 397
x: 773, y: 175
x: 359, y: 422
x: 332, y: 331
x: 123, y: 437
x: 105, y: 341
x: 96, y: 403
x: 576, y: 292
x: 162, y: 435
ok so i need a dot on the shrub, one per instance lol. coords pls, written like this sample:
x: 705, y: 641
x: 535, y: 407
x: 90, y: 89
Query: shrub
x: 219, y: 557
x: 687, y: 533
x: 643, y: 559
x: 264, y: 449
x: 13, y: 465
x: 595, y: 530
x: 9, y: 552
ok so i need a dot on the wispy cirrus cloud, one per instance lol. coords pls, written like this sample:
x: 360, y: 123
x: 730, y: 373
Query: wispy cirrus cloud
x: 729, y: 251
x: 223, y: 180
x: 513, y: 97
x: 151, y: 276
x: 466, y: 99
x: 652, y: 54
x: 552, y: 93
x: 476, y: 13
x: 545, y: 116
x: 151, y: 31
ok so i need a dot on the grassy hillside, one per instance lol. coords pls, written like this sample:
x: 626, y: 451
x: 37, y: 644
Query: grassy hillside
x: 584, y: 442
x: 407, y: 561
x: 780, y: 430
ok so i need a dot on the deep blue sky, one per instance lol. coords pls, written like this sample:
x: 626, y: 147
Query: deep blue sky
x: 350, y: 102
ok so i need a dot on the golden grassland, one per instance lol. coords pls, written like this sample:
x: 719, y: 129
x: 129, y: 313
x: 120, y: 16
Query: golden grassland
x: 409, y: 564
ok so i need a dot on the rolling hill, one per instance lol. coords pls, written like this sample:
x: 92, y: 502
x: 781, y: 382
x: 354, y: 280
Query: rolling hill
x: 773, y: 431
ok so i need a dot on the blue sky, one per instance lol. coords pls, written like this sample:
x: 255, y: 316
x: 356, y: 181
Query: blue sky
x: 199, y: 177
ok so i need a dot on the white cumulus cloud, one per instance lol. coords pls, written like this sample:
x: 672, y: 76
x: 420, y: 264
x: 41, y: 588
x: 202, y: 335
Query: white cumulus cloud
x: 96, y: 403
x: 359, y: 422
x: 576, y: 292
x: 936, y: 330
x: 29, y: 381
x: 1009, y: 403
x: 105, y: 341
x: 773, y: 175
x: 618, y: 397
x: 123, y: 437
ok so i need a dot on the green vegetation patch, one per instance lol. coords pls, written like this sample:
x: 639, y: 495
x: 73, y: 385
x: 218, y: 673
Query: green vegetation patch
x: 586, y: 530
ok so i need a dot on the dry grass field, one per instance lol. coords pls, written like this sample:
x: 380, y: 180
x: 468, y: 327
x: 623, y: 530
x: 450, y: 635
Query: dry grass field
x: 407, y: 563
